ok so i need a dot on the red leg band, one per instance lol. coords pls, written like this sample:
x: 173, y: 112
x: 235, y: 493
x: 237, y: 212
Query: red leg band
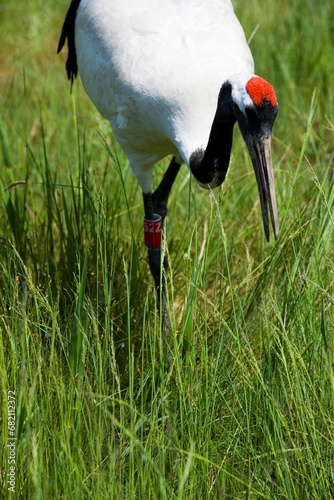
x: 153, y: 231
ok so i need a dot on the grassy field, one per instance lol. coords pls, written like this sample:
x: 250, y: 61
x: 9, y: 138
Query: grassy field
x: 246, y: 410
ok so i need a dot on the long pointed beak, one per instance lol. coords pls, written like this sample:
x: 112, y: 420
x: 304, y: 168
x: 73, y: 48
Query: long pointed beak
x: 261, y: 158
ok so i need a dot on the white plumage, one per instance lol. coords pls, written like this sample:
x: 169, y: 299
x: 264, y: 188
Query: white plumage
x: 154, y: 69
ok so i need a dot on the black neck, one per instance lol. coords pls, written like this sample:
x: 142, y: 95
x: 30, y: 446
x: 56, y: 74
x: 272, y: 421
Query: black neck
x: 210, y: 166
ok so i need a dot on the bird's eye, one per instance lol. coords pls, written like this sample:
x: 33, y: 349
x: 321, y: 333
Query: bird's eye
x: 250, y: 113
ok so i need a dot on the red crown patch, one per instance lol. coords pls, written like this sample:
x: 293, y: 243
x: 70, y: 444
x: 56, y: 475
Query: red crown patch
x: 260, y: 91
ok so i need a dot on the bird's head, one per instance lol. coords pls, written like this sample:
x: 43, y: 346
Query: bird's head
x: 255, y: 108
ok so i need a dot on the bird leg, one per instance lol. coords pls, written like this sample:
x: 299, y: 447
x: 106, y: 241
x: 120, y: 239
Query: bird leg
x: 161, y: 194
x: 155, y: 206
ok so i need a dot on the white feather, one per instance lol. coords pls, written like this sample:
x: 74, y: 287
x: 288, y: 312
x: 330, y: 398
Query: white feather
x: 154, y: 69
x: 239, y: 92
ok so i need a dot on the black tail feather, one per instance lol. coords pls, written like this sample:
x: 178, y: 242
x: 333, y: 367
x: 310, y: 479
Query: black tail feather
x: 68, y: 32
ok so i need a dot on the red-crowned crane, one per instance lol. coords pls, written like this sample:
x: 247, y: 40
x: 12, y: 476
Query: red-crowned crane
x: 173, y: 77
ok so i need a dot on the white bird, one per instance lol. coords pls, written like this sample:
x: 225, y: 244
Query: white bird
x: 173, y: 77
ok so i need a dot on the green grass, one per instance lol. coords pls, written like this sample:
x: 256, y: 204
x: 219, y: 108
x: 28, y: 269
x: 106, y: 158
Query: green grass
x: 246, y: 410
